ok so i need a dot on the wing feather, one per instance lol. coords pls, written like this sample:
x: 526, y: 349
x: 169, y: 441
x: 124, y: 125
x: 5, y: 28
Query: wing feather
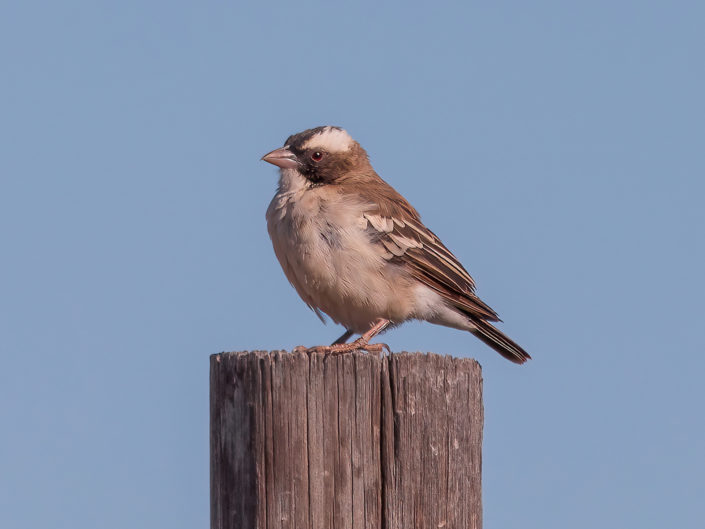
x: 429, y: 261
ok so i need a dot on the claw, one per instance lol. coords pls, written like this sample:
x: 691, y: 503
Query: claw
x: 345, y: 348
x: 374, y: 347
x: 318, y: 349
x: 361, y: 343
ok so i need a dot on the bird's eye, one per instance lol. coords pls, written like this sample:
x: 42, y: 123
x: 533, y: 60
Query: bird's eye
x: 317, y: 156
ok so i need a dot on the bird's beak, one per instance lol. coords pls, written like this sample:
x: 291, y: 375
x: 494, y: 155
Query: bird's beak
x: 282, y: 157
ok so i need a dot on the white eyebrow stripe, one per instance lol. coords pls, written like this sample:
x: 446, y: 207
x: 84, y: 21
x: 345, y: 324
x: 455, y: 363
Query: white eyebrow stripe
x: 330, y: 139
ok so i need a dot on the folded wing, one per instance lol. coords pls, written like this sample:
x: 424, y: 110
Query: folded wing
x: 409, y: 243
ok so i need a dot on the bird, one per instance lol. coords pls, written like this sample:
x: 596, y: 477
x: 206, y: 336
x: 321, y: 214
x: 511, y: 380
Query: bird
x: 356, y: 250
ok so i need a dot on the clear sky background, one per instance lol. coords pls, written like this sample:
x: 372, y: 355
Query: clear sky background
x: 555, y: 147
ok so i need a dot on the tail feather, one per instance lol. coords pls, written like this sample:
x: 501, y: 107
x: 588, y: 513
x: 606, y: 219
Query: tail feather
x: 500, y: 342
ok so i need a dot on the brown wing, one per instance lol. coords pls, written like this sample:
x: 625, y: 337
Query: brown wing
x: 394, y: 222
x: 413, y: 245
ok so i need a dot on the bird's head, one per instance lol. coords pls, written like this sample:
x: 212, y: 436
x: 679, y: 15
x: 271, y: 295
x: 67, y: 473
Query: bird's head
x: 319, y: 156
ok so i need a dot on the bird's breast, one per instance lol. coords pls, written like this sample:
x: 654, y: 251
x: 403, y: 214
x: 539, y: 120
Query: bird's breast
x: 326, y: 252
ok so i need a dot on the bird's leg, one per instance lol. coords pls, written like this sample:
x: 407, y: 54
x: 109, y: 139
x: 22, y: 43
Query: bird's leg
x: 361, y: 343
x: 377, y: 328
x: 344, y: 338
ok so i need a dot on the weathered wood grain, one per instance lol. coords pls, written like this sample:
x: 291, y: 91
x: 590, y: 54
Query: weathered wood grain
x: 346, y: 442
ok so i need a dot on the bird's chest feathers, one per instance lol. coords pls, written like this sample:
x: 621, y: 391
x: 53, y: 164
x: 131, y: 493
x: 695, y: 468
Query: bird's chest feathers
x: 322, y: 243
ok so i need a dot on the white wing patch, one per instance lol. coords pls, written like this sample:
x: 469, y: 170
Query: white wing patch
x: 394, y: 243
x: 382, y: 224
x: 330, y: 139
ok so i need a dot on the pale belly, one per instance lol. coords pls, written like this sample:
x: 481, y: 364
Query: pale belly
x: 332, y: 264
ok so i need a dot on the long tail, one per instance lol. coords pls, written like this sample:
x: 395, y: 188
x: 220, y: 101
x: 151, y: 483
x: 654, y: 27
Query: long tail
x: 500, y: 342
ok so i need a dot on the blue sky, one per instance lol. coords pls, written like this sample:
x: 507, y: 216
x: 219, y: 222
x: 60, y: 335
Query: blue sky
x: 555, y: 147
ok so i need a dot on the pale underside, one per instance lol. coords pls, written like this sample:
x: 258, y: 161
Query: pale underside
x: 356, y: 266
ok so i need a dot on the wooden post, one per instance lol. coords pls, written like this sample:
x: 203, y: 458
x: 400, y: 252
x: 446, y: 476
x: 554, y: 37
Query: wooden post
x: 347, y: 441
